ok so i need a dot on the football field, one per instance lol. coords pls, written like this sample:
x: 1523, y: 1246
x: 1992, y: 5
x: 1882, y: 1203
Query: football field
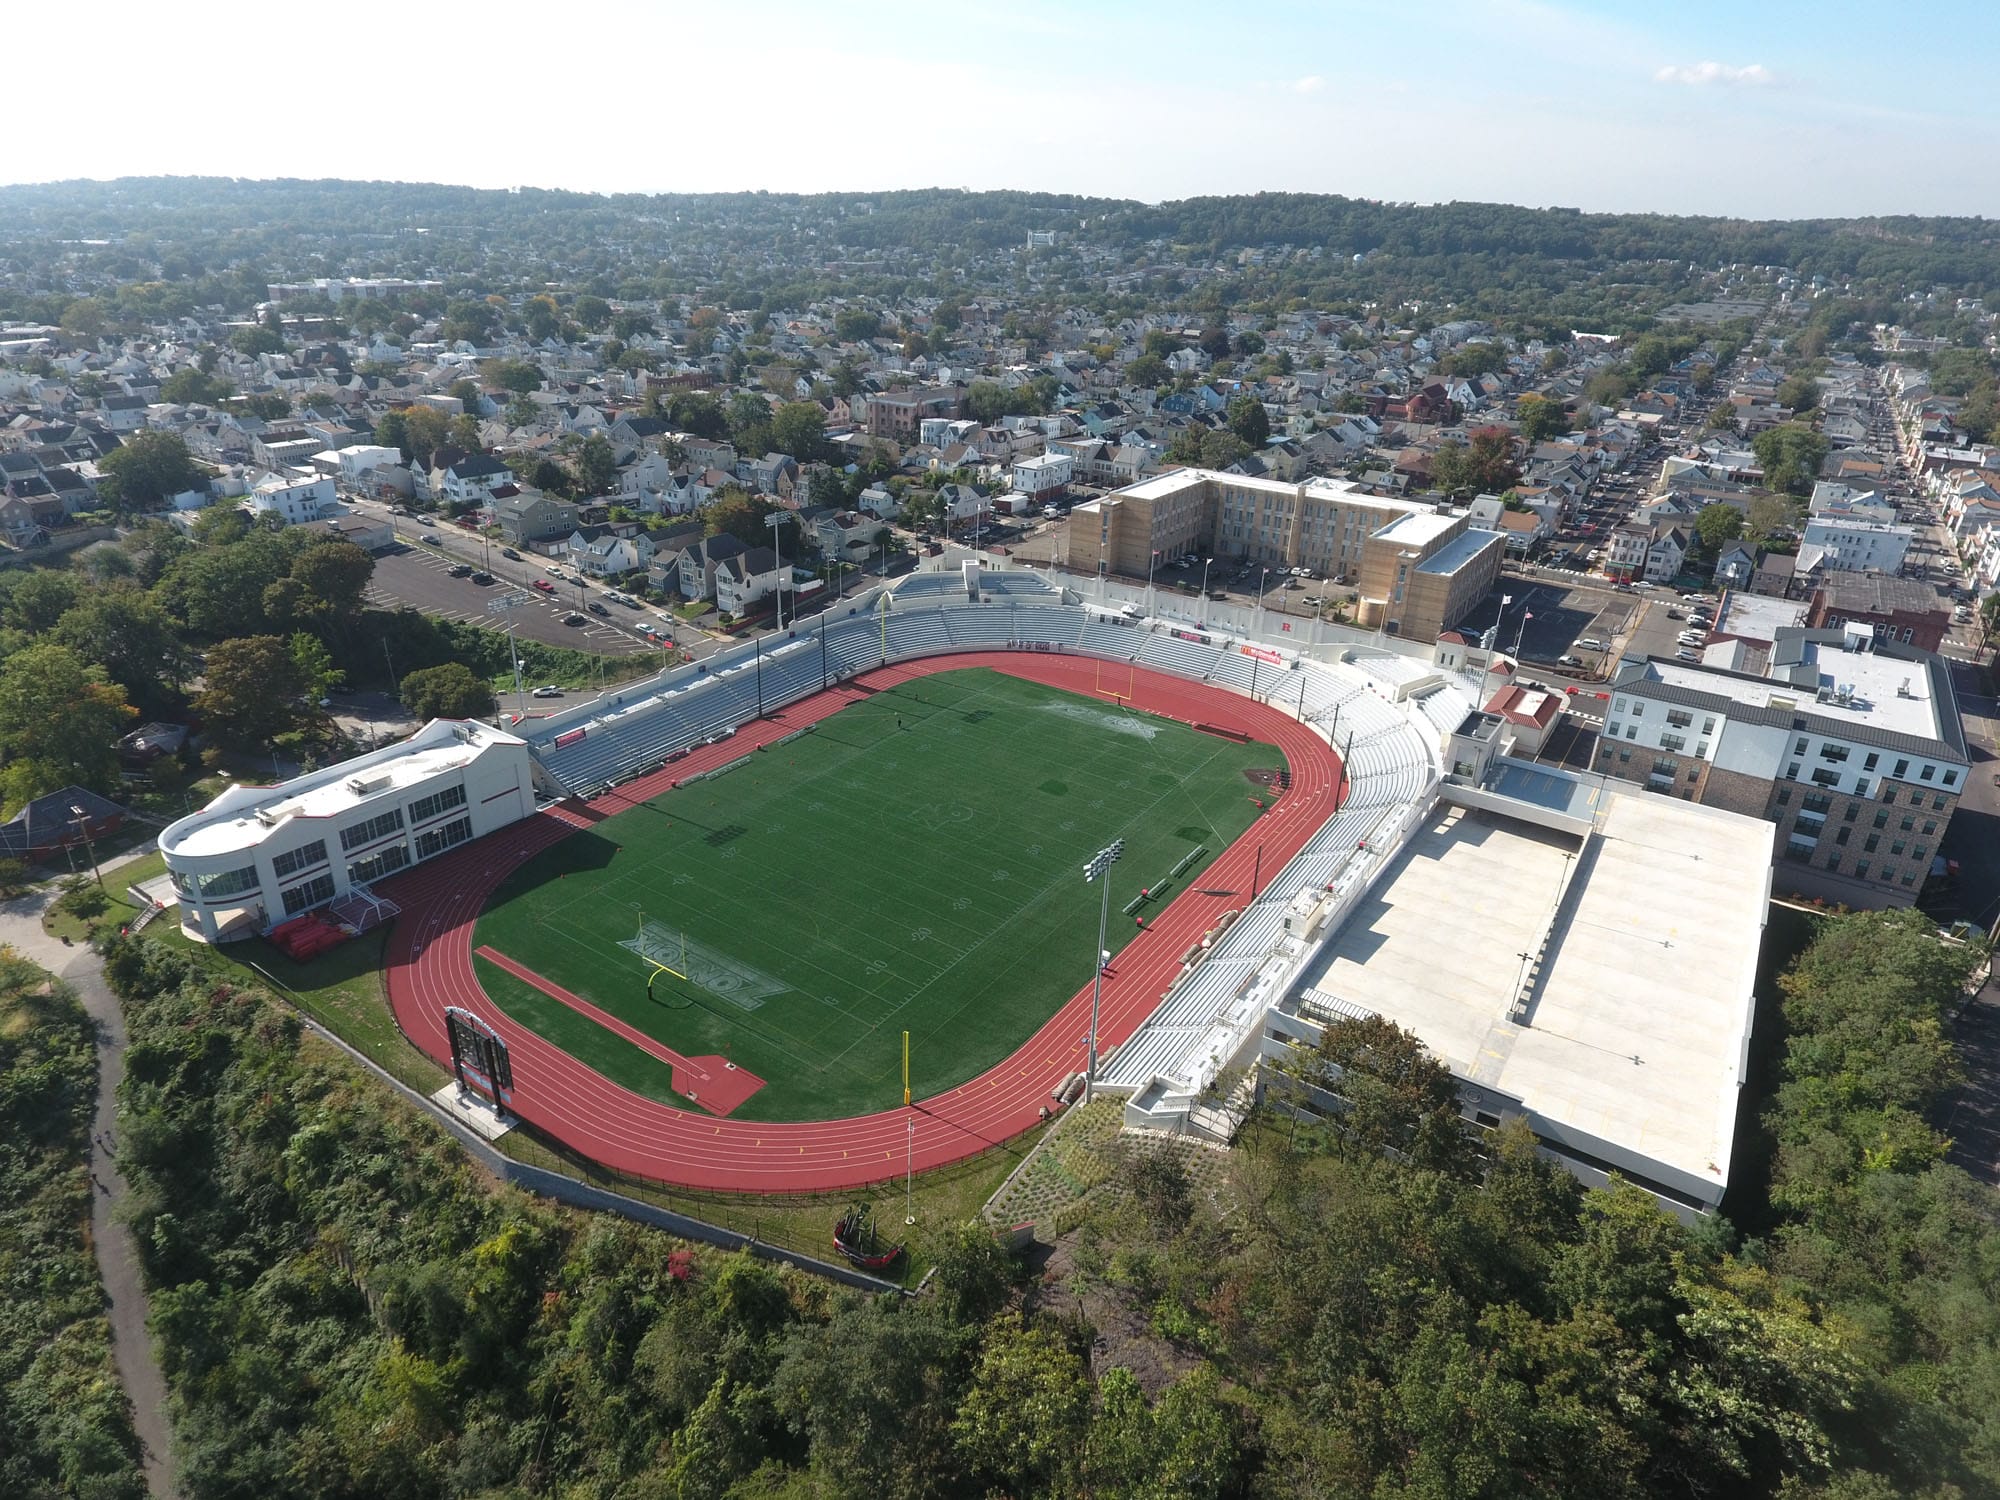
x: 915, y: 862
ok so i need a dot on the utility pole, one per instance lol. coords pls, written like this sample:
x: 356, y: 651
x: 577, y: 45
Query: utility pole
x: 1098, y: 868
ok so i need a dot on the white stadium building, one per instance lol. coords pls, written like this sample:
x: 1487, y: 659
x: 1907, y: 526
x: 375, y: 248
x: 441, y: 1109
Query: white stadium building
x: 258, y: 855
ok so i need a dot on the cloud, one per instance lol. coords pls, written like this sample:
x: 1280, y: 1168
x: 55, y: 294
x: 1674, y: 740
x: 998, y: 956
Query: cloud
x: 1703, y: 74
x: 1312, y: 83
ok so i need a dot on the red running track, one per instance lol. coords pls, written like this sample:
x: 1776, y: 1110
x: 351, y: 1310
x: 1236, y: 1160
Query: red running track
x: 430, y: 966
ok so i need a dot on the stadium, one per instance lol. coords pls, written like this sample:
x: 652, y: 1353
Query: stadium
x: 805, y: 916
x: 746, y: 882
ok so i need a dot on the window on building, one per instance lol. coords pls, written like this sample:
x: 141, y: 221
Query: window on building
x: 1869, y: 763
x: 307, y: 893
x: 1888, y: 796
x: 1624, y: 757
x: 1618, y: 705
x: 1908, y: 823
x: 1861, y: 786
x: 1896, y: 848
x: 294, y: 860
x: 431, y: 840
x: 1833, y: 860
x: 1920, y: 853
x: 1799, y: 747
x: 1708, y: 725
x: 437, y: 802
x: 1784, y: 796
x: 1937, y: 803
x: 1951, y: 778
x: 377, y: 827
x: 1872, y: 842
x: 1928, y: 773
x: 1861, y: 869
x: 1852, y: 810
x: 1834, y: 753
x: 1631, y: 731
x: 1902, y: 769
x: 375, y: 866
x: 226, y: 883
x: 1799, y: 849
x: 1792, y: 771
x: 1673, y: 742
x: 1679, y: 718
x: 1701, y: 749
x: 1840, y: 837
x: 1823, y: 777
x: 1638, y: 709
x: 1909, y: 879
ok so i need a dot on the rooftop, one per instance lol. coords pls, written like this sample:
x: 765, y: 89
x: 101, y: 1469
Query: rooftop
x: 1455, y: 553
x: 1636, y: 1035
x: 1893, y: 693
x: 242, y: 817
x: 1417, y: 528
x: 1757, y: 617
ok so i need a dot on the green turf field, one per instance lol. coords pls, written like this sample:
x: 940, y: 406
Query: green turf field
x: 866, y: 879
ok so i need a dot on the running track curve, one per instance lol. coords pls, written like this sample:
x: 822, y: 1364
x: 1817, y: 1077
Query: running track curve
x: 429, y: 965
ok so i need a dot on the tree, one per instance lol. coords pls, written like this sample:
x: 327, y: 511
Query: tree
x: 697, y: 413
x: 1540, y: 418
x: 739, y: 512
x: 1215, y: 341
x: 591, y: 313
x: 125, y: 631
x: 1249, y: 421
x: 190, y: 386
x: 463, y: 432
x: 799, y: 429
x: 1718, y: 525
x: 1791, y: 454
x: 60, y: 719
x: 1023, y: 1421
x: 1396, y: 1096
x: 856, y: 325
x: 335, y: 576
x: 425, y: 429
x: 541, y: 318
x: 449, y: 691
x: 318, y: 676
x: 470, y: 321
x: 596, y: 465
x: 1490, y: 460
x: 1768, y: 520
x: 257, y: 339
x: 251, y: 687
x: 392, y: 431
x: 150, y: 466
x: 516, y: 375
x: 38, y: 597
x: 1800, y: 392
x: 1148, y: 370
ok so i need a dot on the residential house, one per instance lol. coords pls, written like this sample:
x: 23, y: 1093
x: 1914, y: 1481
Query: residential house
x: 1664, y: 556
x: 847, y: 534
x: 609, y: 551
x: 748, y: 578
x: 700, y: 561
x: 530, y: 516
x: 470, y: 480
x: 292, y: 499
x: 1736, y: 566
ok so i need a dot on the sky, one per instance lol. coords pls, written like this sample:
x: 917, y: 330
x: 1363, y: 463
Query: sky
x: 1756, y: 108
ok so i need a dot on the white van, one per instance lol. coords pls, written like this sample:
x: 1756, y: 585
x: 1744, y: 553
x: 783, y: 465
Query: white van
x: 1589, y: 643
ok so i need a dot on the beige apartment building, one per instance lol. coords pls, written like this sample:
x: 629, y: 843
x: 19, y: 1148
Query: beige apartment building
x: 1417, y: 571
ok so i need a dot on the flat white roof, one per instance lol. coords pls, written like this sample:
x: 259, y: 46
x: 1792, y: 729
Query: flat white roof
x: 242, y: 817
x: 1879, y: 684
x: 1636, y: 1034
x: 1175, y: 480
x: 1758, y: 617
x: 1417, y: 528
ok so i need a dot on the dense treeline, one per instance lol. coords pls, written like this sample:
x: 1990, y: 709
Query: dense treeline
x: 64, y: 1426
x: 169, y: 246
x: 1388, y: 1309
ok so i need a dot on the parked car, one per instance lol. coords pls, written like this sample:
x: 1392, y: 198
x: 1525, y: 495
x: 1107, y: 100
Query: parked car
x: 573, y: 618
x: 429, y: 539
x: 548, y: 690
x: 510, y: 553
x: 461, y: 570
x: 482, y: 578
x: 545, y: 586
x: 1569, y: 661
x: 597, y: 609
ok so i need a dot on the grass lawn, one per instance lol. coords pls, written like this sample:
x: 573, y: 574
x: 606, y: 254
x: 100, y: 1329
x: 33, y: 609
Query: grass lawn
x: 119, y: 908
x: 913, y: 864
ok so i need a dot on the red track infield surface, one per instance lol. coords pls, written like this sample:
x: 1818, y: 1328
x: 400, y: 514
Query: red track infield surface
x: 430, y: 966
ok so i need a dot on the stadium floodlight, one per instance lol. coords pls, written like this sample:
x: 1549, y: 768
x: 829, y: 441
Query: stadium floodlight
x: 1098, y: 868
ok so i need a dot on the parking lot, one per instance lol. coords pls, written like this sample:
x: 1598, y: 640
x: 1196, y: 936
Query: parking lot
x: 1545, y: 621
x: 420, y: 577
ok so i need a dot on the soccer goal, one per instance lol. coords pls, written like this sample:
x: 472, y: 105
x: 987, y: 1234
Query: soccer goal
x: 669, y: 950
